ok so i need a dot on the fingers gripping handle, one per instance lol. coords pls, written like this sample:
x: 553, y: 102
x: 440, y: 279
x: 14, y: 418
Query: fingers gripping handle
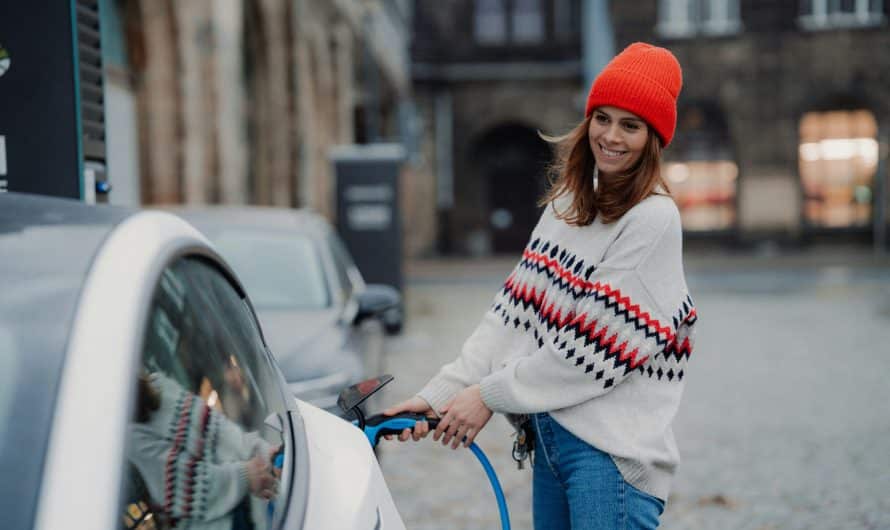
x: 379, y: 425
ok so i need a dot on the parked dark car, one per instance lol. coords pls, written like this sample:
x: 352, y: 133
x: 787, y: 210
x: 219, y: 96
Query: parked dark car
x: 137, y: 390
x: 323, y: 323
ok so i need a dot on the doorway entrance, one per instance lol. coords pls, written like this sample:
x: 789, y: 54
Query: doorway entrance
x: 512, y: 159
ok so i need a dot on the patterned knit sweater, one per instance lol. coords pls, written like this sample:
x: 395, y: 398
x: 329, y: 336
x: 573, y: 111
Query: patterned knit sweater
x: 595, y: 326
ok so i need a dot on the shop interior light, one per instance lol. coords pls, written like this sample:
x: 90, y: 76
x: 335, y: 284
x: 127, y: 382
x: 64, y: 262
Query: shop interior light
x: 678, y: 172
x: 705, y: 192
x: 841, y: 149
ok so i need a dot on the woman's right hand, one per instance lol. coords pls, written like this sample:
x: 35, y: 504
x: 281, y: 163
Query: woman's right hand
x: 260, y: 479
x: 415, y: 404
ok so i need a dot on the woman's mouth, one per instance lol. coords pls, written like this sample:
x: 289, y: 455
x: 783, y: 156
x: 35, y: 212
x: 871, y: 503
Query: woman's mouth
x: 610, y: 153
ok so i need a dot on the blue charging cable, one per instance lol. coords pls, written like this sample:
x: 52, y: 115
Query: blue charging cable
x: 495, y: 485
x: 379, y: 425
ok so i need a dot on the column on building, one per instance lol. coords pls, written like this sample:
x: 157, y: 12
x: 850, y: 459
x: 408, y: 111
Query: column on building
x: 194, y: 32
x: 153, y: 48
x: 231, y: 130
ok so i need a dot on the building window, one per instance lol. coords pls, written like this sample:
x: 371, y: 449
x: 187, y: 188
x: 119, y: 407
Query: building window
x: 490, y: 22
x: 838, y: 158
x: 701, y: 171
x: 828, y: 14
x: 528, y: 22
x: 720, y: 17
x: 705, y: 192
x: 688, y: 18
x: 566, y: 19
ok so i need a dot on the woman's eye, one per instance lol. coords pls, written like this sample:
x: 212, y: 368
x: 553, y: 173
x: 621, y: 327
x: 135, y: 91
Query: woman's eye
x: 631, y: 126
x: 602, y: 119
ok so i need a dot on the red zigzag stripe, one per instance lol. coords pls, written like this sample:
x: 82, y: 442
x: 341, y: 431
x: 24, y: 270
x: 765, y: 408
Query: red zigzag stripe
x: 586, y: 327
x: 601, y: 288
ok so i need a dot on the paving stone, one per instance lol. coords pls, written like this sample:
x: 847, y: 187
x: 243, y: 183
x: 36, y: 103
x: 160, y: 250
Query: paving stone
x: 786, y: 416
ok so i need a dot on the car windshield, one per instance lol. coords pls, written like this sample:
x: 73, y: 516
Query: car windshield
x: 280, y: 270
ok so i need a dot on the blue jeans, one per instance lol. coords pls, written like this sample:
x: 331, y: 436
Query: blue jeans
x: 576, y: 486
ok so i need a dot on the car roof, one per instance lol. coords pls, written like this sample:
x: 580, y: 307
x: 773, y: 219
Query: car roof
x: 48, y: 245
x: 300, y: 220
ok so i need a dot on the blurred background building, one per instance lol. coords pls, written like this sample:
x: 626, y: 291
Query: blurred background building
x: 488, y: 75
x: 782, y: 117
x: 240, y: 101
x: 783, y: 130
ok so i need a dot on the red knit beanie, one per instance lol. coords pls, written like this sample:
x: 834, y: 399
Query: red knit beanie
x: 642, y: 79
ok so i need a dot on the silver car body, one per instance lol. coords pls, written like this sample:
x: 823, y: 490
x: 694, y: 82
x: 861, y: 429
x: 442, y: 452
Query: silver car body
x: 339, y: 484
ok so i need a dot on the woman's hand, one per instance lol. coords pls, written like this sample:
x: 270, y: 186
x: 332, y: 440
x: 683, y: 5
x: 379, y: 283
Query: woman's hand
x: 418, y: 405
x: 464, y: 416
x: 260, y: 479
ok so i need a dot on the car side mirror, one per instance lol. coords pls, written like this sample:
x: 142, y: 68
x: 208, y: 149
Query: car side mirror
x: 376, y: 299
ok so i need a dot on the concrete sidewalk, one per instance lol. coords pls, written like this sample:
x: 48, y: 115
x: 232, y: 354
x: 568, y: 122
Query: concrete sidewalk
x: 784, y: 423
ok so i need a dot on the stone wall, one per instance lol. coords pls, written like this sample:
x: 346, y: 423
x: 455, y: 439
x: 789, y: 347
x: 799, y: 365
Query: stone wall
x: 764, y: 79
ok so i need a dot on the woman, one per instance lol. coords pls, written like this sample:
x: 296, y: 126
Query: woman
x: 591, y: 334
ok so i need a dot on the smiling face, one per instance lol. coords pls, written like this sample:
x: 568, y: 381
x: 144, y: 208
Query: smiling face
x: 617, y: 139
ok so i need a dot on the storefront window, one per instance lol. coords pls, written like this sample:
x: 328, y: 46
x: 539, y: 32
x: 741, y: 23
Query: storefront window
x: 701, y: 171
x: 705, y: 192
x: 838, y: 157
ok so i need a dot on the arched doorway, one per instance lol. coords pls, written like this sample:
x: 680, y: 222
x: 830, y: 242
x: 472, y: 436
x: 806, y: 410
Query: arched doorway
x: 511, y: 158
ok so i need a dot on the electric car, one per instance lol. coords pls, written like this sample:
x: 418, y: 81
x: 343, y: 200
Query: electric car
x: 137, y: 390
x: 307, y: 292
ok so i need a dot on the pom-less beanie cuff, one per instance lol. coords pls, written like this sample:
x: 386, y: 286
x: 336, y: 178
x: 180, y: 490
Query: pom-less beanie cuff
x: 642, y: 79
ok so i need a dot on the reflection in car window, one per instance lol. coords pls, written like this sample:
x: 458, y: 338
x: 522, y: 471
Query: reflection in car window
x: 200, y: 447
x: 280, y: 270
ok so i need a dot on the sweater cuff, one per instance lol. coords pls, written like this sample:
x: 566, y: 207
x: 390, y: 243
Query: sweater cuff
x: 243, y: 483
x: 495, y: 393
x: 438, y: 392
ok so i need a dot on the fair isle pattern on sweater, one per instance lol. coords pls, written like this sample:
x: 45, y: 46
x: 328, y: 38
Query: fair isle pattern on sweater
x: 546, y: 296
x: 194, y: 430
x: 594, y: 326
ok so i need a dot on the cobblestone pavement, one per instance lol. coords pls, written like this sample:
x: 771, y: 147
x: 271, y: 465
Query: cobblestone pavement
x: 785, y: 422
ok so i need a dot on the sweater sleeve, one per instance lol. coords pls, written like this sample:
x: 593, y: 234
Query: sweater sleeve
x: 613, y: 330
x: 186, y: 486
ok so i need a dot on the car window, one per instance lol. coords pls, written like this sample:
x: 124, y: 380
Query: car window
x: 280, y: 270
x: 203, y: 433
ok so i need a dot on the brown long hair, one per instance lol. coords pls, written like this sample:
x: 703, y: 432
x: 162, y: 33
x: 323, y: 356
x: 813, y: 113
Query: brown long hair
x: 571, y: 173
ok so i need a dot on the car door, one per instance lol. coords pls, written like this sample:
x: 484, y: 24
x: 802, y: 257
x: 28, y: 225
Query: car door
x: 211, y: 443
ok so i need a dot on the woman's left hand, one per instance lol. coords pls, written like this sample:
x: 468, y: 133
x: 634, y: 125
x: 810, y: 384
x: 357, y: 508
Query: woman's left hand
x: 463, y: 417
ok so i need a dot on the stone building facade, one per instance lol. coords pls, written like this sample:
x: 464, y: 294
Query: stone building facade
x: 488, y: 77
x: 784, y: 114
x: 241, y: 101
